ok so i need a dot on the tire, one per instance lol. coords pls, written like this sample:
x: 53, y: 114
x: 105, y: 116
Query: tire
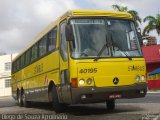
x: 20, y: 102
x: 25, y: 102
x: 58, y: 107
x: 110, y: 104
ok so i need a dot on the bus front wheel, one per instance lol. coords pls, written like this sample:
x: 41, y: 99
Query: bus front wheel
x: 110, y: 104
x: 58, y: 107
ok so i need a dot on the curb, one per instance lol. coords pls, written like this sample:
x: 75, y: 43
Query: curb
x: 5, y: 97
x: 153, y: 91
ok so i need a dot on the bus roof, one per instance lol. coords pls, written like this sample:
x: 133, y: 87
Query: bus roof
x: 76, y: 13
x: 108, y: 13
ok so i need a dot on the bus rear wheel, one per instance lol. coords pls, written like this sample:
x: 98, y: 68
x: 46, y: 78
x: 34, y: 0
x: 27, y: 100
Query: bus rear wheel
x: 58, y: 107
x: 25, y: 102
x: 110, y: 104
x: 20, y: 102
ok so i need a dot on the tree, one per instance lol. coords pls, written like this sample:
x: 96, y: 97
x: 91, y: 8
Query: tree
x: 132, y: 12
x: 153, y: 24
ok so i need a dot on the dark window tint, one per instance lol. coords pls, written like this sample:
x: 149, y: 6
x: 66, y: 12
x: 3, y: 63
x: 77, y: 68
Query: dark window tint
x: 27, y: 57
x: 52, y: 39
x: 13, y: 67
x: 34, y: 52
x: 22, y: 61
x: 18, y: 64
x: 63, y: 42
x: 43, y: 46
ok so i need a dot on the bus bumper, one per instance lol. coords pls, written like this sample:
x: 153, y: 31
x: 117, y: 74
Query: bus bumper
x: 101, y: 94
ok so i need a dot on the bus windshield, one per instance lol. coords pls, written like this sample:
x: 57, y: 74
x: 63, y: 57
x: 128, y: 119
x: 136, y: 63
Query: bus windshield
x: 91, y: 35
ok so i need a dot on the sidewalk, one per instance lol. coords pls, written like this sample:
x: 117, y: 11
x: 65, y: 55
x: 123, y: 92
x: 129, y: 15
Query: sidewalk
x: 5, y: 97
x: 153, y: 91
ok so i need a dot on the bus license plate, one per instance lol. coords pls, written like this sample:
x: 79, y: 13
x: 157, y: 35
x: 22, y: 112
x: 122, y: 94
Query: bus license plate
x: 114, y: 96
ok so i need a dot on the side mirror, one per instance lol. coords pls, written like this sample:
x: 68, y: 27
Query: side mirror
x: 140, y: 39
x: 69, y: 32
x: 139, y: 36
x: 139, y: 30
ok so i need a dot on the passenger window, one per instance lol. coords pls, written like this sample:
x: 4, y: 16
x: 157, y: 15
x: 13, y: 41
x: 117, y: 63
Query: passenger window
x: 52, y: 35
x: 34, y: 52
x: 22, y: 61
x: 18, y: 64
x: 13, y: 67
x: 27, y: 57
x: 63, y: 42
x: 43, y: 46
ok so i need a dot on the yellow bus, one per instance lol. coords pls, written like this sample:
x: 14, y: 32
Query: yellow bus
x: 86, y: 56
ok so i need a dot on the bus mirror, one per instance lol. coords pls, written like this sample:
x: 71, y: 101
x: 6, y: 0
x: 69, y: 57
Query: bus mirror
x: 139, y: 30
x: 140, y: 38
x: 69, y: 32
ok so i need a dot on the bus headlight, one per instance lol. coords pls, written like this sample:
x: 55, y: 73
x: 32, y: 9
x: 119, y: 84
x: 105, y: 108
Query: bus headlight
x: 89, y: 81
x: 138, y: 78
x: 81, y: 81
x: 143, y: 77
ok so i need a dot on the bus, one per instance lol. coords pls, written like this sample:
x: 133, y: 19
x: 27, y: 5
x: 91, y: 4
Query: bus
x: 85, y: 56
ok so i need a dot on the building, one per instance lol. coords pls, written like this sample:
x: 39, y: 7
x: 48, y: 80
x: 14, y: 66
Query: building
x: 5, y: 74
x: 150, y: 40
x: 152, y: 57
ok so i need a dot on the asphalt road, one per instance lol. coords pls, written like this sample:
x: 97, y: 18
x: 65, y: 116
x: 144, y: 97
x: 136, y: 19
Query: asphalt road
x: 147, y: 108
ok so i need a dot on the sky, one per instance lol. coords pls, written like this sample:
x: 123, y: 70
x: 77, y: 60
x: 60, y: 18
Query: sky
x: 22, y: 20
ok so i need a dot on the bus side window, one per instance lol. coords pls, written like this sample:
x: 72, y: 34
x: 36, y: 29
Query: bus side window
x: 52, y: 37
x: 15, y: 66
x: 22, y: 61
x: 34, y: 52
x: 42, y: 46
x: 27, y: 57
x: 18, y: 64
x: 63, y: 42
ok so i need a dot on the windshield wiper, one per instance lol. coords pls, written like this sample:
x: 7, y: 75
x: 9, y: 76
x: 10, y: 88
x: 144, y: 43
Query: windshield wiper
x: 104, y: 47
x: 100, y: 52
x: 112, y: 45
x: 120, y: 48
x: 125, y: 54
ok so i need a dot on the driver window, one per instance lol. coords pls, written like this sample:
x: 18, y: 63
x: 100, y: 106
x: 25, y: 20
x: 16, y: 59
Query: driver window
x: 63, y: 42
x: 132, y: 40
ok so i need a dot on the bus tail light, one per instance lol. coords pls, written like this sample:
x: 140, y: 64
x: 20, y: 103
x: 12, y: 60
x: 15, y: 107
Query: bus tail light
x: 74, y: 83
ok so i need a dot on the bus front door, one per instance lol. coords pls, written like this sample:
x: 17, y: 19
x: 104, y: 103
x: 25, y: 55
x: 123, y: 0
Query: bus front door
x: 64, y: 72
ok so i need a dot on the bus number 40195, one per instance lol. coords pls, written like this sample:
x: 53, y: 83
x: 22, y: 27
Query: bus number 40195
x: 89, y: 70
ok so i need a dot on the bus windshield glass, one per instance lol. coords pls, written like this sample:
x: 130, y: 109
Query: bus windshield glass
x: 90, y: 36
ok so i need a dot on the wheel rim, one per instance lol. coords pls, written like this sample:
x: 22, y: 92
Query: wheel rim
x: 19, y: 99
x: 23, y: 98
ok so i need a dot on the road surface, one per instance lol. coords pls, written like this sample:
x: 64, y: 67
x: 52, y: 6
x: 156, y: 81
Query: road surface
x: 147, y: 108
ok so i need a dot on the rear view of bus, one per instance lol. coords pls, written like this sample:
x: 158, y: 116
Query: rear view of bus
x: 105, y: 58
